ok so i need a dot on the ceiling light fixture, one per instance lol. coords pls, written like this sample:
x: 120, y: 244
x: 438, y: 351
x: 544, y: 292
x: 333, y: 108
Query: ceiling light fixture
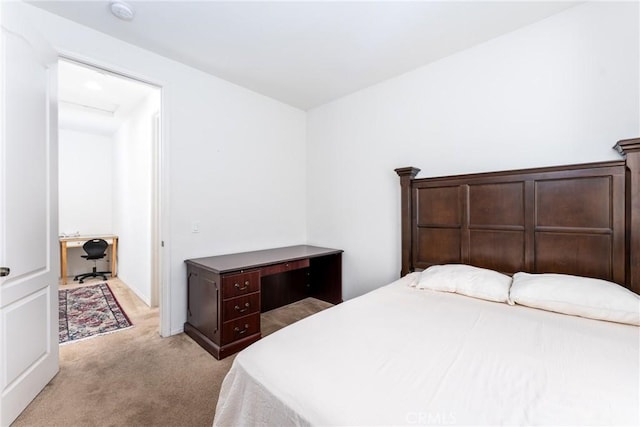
x: 122, y: 10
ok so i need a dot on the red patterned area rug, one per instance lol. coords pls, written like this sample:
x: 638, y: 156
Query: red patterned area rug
x: 89, y: 311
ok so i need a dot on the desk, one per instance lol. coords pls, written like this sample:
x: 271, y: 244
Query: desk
x: 78, y: 241
x: 227, y: 293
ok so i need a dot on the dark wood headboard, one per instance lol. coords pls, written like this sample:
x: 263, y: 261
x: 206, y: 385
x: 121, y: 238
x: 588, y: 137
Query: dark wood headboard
x: 578, y: 219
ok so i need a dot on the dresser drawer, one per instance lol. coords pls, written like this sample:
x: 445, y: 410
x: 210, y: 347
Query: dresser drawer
x: 240, y: 328
x: 235, y: 285
x: 285, y: 266
x: 240, y: 306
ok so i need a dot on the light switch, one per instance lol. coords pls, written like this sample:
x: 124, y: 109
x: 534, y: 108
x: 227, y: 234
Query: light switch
x: 195, y: 227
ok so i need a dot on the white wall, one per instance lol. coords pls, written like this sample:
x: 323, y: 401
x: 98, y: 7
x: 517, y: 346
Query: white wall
x: 132, y: 162
x: 235, y: 160
x: 85, y: 182
x: 85, y: 191
x: 560, y: 91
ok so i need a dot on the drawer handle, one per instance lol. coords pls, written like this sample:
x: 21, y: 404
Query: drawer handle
x: 241, y: 331
x: 242, y: 310
x: 244, y: 288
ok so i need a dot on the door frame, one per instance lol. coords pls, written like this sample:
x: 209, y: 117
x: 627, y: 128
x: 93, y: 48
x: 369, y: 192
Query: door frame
x: 160, y: 255
x: 156, y: 202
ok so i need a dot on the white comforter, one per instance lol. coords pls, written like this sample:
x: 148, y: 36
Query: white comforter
x: 402, y: 356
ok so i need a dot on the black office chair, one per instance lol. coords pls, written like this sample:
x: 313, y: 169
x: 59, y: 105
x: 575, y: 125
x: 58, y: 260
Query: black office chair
x: 96, y: 249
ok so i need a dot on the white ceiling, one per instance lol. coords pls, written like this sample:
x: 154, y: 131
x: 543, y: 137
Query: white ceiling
x: 307, y: 53
x: 96, y: 101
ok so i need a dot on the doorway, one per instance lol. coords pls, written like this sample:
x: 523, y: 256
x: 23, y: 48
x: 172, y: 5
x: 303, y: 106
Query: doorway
x: 109, y: 172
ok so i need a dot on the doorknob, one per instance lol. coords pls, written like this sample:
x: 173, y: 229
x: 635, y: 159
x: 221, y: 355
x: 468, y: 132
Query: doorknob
x: 4, y: 271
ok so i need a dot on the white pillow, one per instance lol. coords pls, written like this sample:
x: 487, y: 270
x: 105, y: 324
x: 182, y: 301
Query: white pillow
x: 578, y: 296
x: 467, y: 280
x: 410, y: 279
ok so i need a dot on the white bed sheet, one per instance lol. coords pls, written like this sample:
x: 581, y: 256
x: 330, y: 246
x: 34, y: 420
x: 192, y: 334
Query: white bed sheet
x: 402, y: 356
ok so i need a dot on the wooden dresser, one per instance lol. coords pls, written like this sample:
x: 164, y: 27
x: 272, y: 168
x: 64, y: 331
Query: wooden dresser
x: 227, y: 293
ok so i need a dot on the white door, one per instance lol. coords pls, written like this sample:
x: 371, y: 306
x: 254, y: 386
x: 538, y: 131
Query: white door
x: 28, y: 215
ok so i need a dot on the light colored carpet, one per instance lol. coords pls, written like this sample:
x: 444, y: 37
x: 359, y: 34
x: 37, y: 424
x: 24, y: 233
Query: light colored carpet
x: 135, y: 378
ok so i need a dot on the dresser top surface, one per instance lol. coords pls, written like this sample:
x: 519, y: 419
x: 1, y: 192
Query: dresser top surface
x: 255, y: 259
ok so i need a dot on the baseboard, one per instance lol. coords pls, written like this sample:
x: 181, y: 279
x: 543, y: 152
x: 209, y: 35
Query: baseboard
x: 145, y: 298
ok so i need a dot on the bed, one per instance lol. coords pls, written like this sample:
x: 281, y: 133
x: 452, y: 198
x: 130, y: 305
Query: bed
x: 517, y: 304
